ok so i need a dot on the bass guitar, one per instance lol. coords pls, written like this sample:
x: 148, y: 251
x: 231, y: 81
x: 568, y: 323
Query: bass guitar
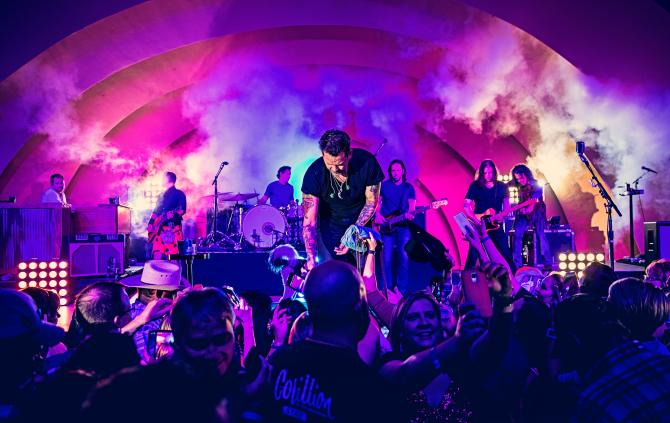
x: 491, y: 219
x: 396, y: 218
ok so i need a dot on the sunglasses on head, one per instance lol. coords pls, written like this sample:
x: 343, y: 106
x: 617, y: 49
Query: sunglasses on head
x: 199, y: 344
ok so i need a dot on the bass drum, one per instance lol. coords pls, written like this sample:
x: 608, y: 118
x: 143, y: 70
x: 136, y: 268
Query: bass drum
x: 263, y: 226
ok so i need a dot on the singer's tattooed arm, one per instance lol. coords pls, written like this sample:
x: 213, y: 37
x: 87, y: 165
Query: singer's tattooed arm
x: 371, y: 199
x: 310, y: 206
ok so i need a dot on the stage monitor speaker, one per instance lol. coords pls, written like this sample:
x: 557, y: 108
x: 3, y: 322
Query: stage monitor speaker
x: 657, y: 240
x: 93, y: 258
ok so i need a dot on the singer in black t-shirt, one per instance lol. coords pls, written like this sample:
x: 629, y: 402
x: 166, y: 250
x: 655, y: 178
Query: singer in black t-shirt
x: 339, y: 189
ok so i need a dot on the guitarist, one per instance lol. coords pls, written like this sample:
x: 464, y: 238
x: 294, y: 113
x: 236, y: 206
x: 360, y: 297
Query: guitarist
x: 485, y: 193
x: 533, y: 216
x: 397, y: 198
x: 165, y: 222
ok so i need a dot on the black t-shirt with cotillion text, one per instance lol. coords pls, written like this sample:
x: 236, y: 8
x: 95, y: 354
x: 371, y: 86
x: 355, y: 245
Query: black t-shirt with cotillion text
x: 315, y: 382
x: 337, y: 214
x: 487, y: 198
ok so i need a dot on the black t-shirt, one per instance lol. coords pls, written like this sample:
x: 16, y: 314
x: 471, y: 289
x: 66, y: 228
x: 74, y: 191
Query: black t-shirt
x: 487, y: 198
x: 337, y: 214
x: 314, y: 382
x: 172, y: 199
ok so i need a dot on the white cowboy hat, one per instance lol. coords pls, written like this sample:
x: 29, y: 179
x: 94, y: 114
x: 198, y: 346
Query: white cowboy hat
x: 158, y: 274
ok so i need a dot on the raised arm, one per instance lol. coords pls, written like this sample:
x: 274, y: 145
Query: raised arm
x: 310, y: 207
x: 371, y: 199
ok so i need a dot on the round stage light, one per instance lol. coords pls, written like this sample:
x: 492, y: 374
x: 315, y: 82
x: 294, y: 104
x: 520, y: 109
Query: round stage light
x: 563, y: 273
x: 42, y: 265
x: 590, y: 257
x: 572, y: 266
x: 562, y: 265
x: 32, y: 275
x: 53, y: 274
x: 22, y: 275
x: 562, y: 257
x: 62, y: 292
x: 581, y: 266
x: 62, y: 265
x: 580, y: 274
x: 600, y: 257
x: 43, y: 283
x: 62, y: 273
x: 53, y: 283
x: 581, y: 257
x: 23, y: 265
x: 62, y: 283
x: 32, y: 284
x: 53, y: 265
x: 32, y: 265
x: 43, y: 274
x: 572, y: 256
x: 63, y: 301
x: 23, y: 285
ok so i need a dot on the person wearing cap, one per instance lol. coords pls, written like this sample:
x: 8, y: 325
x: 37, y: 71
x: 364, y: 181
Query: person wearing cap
x: 23, y: 335
x: 159, y: 278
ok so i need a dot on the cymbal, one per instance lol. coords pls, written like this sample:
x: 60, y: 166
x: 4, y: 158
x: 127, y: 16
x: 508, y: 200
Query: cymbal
x: 221, y: 194
x: 240, y: 196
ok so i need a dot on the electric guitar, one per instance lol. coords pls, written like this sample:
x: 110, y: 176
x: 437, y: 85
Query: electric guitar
x: 397, y: 217
x: 490, y: 216
x: 158, y: 225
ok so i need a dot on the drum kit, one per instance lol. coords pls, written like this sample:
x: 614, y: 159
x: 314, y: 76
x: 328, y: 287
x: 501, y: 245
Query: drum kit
x: 251, y: 227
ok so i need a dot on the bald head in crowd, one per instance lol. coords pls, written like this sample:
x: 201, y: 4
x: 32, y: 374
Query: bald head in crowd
x: 335, y: 296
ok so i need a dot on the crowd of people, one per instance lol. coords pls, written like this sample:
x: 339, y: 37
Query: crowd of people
x: 549, y: 348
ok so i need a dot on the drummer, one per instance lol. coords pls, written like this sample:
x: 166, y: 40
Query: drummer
x: 279, y: 192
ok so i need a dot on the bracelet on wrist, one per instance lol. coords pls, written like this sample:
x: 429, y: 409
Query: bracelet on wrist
x: 372, y: 252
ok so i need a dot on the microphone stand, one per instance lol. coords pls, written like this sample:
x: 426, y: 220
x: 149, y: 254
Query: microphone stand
x: 215, y: 182
x: 631, y: 191
x: 609, y: 205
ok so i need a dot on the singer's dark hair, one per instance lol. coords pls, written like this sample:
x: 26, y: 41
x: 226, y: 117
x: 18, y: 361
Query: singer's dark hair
x: 404, y: 169
x: 334, y: 142
x: 55, y: 176
x: 282, y: 170
x: 480, y: 172
x: 172, y: 177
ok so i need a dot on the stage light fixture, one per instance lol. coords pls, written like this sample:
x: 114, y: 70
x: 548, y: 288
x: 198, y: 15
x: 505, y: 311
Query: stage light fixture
x: 562, y: 257
x: 42, y: 265
x: 62, y: 273
x: 53, y: 265
x: 32, y: 265
x: 600, y: 257
x: 23, y: 265
x: 43, y: 284
x: 53, y: 283
x: 53, y: 274
x: 32, y: 275
x: 62, y: 292
x: 62, y: 283
x: 62, y: 265
x: 563, y: 273
x: 581, y: 266
x: 22, y: 275
x: 32, y: 284
x: 43, y: 274
x: 23, y: 285
x: 580, y: 274
x: 572, y: 265
x: 581, y: 256
x: 572, y: 256
x: 590, y: 257
x: 63, y: 301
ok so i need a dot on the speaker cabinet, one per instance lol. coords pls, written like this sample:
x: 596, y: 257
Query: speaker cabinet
x: 94, y: 258
x: 657, y: 240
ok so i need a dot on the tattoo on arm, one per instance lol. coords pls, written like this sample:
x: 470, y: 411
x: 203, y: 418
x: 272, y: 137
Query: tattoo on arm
x: 371, y: 199
x: 310, y: 207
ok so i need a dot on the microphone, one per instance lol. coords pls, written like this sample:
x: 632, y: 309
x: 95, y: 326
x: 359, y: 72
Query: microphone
x: 649, y: 170
x: 224, y: 164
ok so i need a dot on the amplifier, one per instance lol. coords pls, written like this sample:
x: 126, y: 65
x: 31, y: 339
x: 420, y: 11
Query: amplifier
x: 97, y: 258
x: 560, y: 240
x: 77, y: 238
x: 657, y: 240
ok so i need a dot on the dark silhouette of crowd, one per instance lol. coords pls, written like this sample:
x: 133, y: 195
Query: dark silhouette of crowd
x: 554, y: 348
